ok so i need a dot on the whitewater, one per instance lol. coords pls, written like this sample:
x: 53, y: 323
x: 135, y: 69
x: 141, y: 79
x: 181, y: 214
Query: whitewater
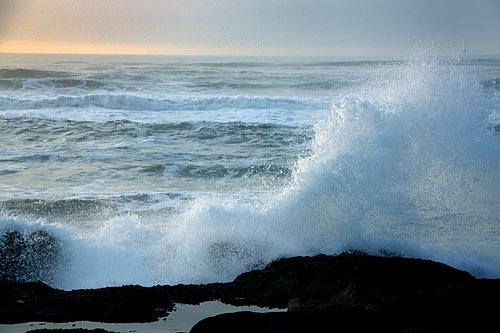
x: 167, y: 170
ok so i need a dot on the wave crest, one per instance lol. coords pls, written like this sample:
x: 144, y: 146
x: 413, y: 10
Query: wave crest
x: 134, y: 102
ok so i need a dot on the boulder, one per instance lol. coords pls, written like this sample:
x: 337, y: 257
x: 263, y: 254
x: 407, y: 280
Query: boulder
x: 29, y: 256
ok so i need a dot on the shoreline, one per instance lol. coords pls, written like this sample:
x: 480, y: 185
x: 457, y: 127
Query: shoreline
x: 351, y: 291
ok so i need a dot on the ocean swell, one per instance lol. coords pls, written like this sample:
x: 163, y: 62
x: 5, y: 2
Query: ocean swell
x: 140, y: 103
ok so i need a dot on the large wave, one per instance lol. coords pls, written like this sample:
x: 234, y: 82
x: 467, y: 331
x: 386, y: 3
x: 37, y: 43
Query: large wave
x: 410, y: 166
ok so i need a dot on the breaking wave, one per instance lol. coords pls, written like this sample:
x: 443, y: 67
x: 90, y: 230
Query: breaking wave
x: 134, y: 102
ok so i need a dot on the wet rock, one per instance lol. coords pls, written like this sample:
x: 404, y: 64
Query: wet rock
x: 295, y: 305
x: 29, y: 256
x: 250, y: 322
x: 224, y: 255
x: 69, y: 330
x: 348, y: 293
x: 12, y: 246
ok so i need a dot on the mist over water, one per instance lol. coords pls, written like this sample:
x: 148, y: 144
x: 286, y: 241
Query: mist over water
x: 200, y: 181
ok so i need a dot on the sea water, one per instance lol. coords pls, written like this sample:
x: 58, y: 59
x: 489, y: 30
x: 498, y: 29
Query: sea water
x: 163, y: 170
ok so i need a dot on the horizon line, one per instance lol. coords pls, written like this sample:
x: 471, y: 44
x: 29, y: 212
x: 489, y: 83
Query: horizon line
x: 84, y: 48
x: 116, y: 49
x: 230, y: 55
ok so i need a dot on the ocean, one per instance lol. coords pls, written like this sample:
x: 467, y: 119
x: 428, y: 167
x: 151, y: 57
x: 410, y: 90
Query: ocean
x: 151, y: 170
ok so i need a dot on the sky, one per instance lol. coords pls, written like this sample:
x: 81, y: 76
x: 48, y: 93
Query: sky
x: 248, y: 27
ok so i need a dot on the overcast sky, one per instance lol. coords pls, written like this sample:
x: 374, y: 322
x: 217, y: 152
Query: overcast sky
x: 336, y: 27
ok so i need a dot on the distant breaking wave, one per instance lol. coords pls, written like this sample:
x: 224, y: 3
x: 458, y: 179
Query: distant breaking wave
x: 138, y: 103
x: 22, y: 73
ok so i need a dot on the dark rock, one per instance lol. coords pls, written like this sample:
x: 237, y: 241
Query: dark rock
x: 348, y: 279
x: 12, y: 246
x: 295, y: 305
x: 245, y: 321
x: 348, y: 292
x: 286, y: 322
x: 69, y: 330
x: 29, y: 256
x: 222, y: 255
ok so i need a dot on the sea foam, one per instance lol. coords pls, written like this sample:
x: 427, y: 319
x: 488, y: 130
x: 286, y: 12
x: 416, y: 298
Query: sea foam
x: 174, y: 103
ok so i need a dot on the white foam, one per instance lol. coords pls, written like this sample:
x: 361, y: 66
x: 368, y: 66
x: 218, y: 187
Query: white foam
x: 159, y: 103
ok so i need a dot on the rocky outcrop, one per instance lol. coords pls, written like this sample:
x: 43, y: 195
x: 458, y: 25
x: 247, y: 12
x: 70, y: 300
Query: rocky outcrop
x: 69, y: 330
x: 348, y: 293
x: 29, y: 256
x: 359, y: 293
